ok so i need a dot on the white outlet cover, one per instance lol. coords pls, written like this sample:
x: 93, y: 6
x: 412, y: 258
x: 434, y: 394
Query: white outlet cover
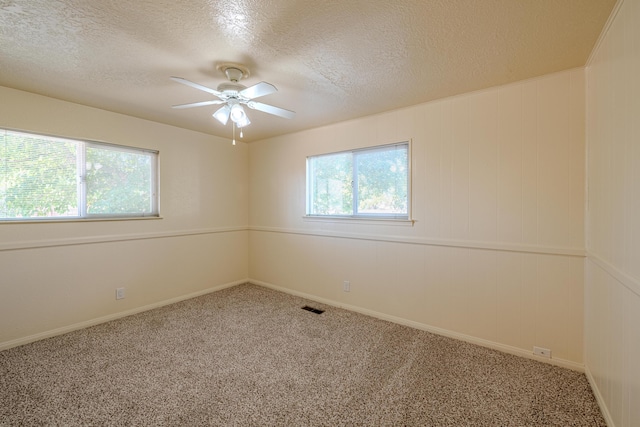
x: 544, y: 352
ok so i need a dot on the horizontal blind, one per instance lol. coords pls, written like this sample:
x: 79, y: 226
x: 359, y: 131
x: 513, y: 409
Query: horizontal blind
x: 38, y: 176
x: 119, y: 181
x: 49, y: 177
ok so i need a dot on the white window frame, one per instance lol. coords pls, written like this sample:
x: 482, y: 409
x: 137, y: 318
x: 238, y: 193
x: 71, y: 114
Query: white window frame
x: 81, y: 181
x: 355, y: 216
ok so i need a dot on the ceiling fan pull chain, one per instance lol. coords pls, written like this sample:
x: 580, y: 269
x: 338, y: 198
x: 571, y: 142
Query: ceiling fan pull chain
x: 234, y: 132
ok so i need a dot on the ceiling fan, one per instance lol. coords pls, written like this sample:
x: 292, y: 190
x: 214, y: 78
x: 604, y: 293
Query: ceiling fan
x: 234, y: 95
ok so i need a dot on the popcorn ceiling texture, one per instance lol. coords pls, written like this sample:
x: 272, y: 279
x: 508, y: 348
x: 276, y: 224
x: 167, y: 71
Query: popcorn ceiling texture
x: 249, y: 356
x: 331, y: 60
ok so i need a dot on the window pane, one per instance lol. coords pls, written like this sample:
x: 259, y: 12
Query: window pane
x: 119, y: 181
x: 370, y: 182
x: 382, y: 181
x: 38, y: 176
x: 51, y: 177
x: 330, y: 184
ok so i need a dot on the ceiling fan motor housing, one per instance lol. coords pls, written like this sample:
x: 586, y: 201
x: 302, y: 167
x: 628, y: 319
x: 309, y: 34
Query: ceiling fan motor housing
x: 230, y: 88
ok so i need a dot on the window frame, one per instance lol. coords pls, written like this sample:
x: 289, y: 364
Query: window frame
x: 355, y: 216
x: 81, y: 188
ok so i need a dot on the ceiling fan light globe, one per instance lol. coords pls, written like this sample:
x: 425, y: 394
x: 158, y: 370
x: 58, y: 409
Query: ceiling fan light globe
x: 244, y: 122
x: 237, y: 113
x: 222, y: 114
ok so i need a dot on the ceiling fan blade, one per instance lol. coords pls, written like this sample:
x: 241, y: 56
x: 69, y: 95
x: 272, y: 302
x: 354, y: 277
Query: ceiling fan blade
x: 287, y: 114
x: 196, y: 85
x: 258, y: 90
x: 198, y: 104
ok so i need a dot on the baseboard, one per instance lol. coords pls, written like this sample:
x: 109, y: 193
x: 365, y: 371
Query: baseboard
x: 596, y: 392
x: 92, y: 322
x: 422, y: 326
x: 455, y: 335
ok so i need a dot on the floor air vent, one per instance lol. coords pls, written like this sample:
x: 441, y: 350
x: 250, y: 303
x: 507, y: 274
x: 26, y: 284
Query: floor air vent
x: 313, y: 310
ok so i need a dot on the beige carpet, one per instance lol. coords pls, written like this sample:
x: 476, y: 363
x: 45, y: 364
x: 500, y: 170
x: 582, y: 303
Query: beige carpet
x: 249, y: 356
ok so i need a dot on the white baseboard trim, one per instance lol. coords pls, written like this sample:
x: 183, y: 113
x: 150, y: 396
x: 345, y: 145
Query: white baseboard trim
x: 401, y: 321
x: 422, y: 326
x: 92, y: 322
x: 596, y: 392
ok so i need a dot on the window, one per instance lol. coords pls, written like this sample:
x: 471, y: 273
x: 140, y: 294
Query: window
x: 43, y: 177
x: 366, y: 183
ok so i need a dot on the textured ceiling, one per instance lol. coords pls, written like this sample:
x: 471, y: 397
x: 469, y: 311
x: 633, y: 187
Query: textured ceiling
x: 331, y: 60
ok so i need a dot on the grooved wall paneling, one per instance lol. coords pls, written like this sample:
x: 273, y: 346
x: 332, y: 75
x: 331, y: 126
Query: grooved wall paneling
x: 612, y: 289
x: 503, y: 166
x: 61, y: 275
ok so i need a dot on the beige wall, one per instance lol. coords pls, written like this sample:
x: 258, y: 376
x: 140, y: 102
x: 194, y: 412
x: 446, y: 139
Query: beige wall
x: 496, y: 254
x: 58, y: 276
x: 612, y: 303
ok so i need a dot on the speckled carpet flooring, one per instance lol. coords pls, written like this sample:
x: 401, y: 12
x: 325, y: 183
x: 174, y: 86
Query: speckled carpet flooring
x: 250, y: 356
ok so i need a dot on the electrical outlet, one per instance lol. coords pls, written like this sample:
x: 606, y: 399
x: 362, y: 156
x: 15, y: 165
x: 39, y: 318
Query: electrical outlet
x: 119, y: 293
x: 544, y: 352
x: 346, y: 286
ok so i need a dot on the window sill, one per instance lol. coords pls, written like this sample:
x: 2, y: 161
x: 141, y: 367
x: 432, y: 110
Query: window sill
x: 51, y: 220
x: 359, y: 220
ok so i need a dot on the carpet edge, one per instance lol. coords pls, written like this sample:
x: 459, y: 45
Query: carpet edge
x: 563, y: 363
x: 103, y: 319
